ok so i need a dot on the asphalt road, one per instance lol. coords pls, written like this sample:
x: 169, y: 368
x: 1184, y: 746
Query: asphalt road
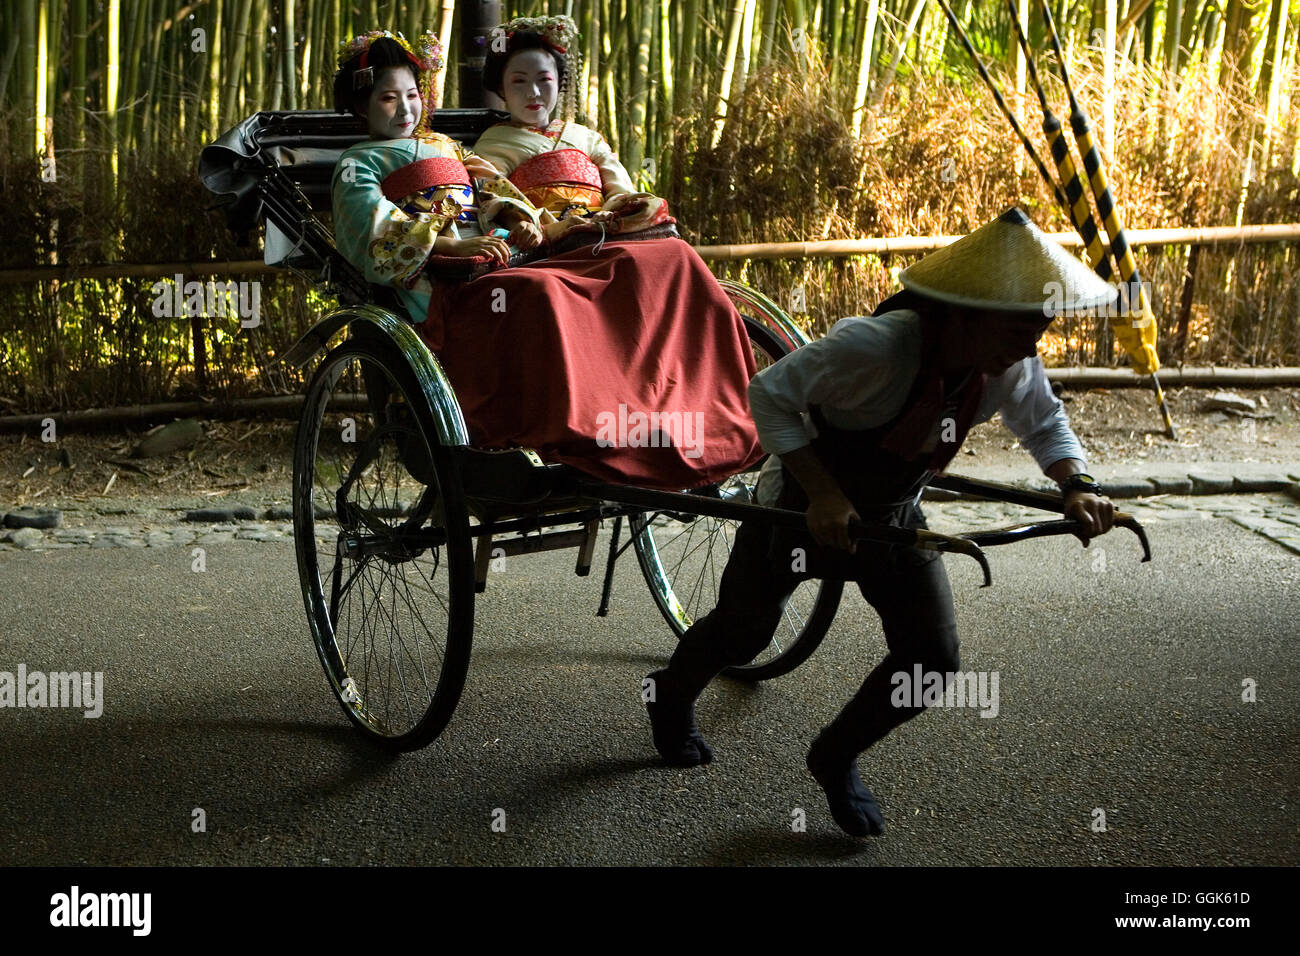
x: 1119, y: 689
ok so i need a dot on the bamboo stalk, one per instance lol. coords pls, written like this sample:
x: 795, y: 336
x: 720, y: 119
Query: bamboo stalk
x: 288, y: 52
x: 685, y: 81
x: 746, y: 48
x: 1276, y: 59
x: 797, y: 14
x: 837, y: 37
x: 331, y: 50
x: 1173, y: 34
x: 864, y: 68
x: 212, y: 99
x: 446, y: 17
x: 1201, y: 236
x: 7, y: 62
x: 664, y: 94
x: 1210, y: 236
x: 918, y: 7
x: 769, y: 31
x: 235, y: 70
x: 112, y: 67
x: 158, y: 103
x: 41, y: 79
x: 310, y: 70
x: 590, y: 97
x: 640, y: 89
x: 28, y: 30
x: 1108, y: 82
x: 77, y: 26
x: 734, y: 25
x: 611, y: 124
x: 257, y: 62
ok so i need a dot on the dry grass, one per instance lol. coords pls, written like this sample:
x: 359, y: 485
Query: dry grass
x: 939, y: 159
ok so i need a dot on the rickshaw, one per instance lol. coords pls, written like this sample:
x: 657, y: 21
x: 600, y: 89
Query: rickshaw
x: 398, y: 519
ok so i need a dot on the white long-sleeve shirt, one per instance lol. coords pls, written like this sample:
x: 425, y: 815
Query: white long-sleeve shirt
x: 860, y: 374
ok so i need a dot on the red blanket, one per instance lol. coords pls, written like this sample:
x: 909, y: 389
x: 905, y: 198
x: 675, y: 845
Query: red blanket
x: 630, y: 363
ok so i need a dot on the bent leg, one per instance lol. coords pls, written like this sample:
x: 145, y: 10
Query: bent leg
x: 910, y: 591
x: 914, y: 600
x: 751, y: 599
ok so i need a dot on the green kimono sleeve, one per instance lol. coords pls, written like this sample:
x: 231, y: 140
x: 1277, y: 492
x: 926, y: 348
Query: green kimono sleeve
x: 387, y: 245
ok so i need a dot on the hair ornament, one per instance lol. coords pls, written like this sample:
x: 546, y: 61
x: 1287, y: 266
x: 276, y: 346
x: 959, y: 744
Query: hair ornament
x: 559, y: 32
x: 426, y: 53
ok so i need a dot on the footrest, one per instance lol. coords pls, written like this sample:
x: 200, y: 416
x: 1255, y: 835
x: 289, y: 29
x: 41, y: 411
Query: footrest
x: 515, y: 475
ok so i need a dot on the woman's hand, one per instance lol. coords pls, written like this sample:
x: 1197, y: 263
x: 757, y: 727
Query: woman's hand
x: 525, y: 235
x: 475, y: 246
x: 555, y: 231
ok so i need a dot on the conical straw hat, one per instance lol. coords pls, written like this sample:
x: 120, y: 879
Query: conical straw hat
x: 1008, y: 265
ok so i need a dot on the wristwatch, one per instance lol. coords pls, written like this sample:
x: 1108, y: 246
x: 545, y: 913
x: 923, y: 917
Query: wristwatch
x: 1081, y: 482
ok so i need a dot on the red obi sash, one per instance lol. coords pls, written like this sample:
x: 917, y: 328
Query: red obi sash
x: 423, y: 173
x: 557, y: 166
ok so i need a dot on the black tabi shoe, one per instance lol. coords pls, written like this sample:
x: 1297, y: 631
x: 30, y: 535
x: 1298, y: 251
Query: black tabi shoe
x: 672, y: 724
x: 852, y: 805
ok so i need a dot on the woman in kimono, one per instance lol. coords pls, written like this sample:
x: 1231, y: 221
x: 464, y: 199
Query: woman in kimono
x: 562, y: 167
x: 408, y: 193
x: 630, y: 367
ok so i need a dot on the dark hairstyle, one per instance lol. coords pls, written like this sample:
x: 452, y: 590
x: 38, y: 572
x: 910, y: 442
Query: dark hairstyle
x: 383, y: 52
x: 494, y: 68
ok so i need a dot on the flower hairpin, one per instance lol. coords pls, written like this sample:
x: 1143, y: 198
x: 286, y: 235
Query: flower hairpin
x: 426, y: 54
x: 559, y: 32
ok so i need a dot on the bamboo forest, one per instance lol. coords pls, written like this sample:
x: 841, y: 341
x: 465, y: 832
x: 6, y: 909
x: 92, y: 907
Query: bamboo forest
x: 761, y: 122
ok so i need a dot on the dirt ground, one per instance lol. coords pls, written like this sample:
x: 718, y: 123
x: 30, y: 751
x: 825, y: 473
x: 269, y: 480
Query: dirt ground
x: 251, y: 460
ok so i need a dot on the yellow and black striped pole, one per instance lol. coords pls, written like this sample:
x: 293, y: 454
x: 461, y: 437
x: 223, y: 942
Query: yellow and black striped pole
x: 1076, y: 202
x: 1137, y: 335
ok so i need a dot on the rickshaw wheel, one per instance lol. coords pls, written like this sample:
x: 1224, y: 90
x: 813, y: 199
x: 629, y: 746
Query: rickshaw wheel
x: 682, y: 561
x: 384, y: 554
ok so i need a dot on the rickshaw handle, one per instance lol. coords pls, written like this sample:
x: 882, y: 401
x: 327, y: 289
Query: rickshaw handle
x: 996, y: 491
x: 652, y: 500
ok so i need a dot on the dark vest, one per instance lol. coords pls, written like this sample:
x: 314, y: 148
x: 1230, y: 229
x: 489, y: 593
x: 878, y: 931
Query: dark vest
x: 883, y: 469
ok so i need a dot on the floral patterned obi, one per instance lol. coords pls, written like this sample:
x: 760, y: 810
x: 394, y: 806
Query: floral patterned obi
x: 440, y: 185
x: 562, y: 181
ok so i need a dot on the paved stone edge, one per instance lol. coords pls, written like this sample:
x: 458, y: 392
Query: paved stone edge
x: 1192, y: 483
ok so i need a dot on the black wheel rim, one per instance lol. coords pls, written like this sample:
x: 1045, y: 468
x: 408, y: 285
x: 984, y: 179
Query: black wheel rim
x: 378, y: 573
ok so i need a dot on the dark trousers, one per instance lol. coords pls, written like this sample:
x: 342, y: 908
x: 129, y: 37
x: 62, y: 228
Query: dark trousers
x: 908, y: 587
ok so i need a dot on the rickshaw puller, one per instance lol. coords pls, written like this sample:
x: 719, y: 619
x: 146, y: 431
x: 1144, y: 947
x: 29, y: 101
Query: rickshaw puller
x: 892, y: 398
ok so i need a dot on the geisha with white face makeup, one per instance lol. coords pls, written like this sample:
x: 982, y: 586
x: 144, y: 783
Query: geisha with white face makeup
x: 563, y: 167
x: 409, y: 193
x: 538, y: 351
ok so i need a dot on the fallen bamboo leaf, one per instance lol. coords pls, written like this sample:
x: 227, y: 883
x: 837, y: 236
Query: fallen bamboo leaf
x: 129, y: 466
x: 29, y: 471
x: 110, y: 483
